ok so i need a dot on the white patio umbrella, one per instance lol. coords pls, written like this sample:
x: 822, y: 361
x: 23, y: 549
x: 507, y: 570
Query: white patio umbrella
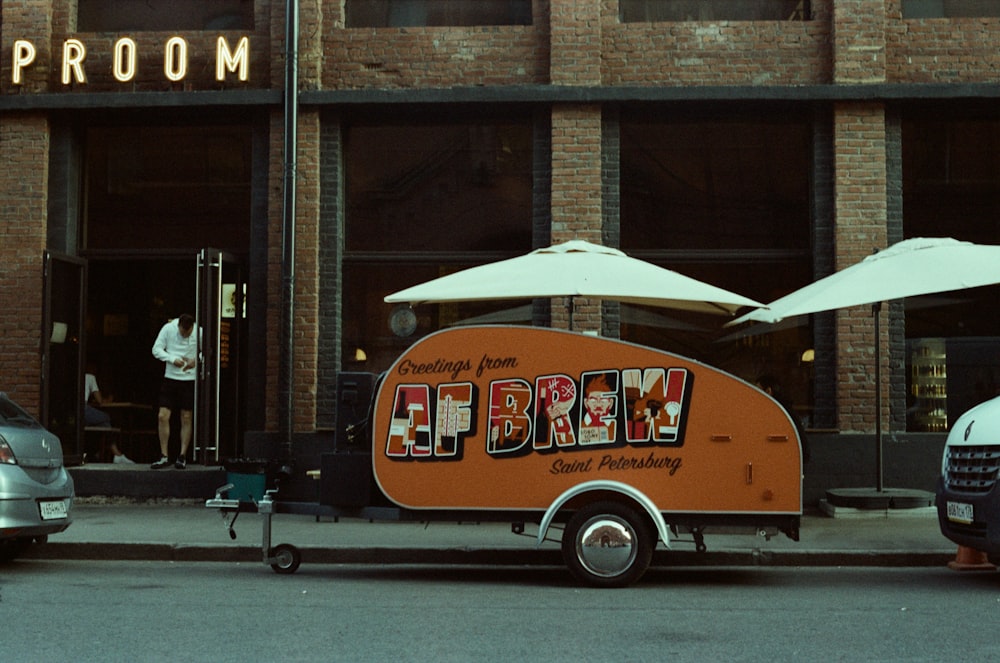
x: 919, y: 266
x: 576, y: 269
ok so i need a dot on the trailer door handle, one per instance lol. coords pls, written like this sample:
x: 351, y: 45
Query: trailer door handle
x: 721, y: 438
x: 749, y: 473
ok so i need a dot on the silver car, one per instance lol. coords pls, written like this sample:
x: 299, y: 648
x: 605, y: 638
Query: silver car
x: 36, y: 491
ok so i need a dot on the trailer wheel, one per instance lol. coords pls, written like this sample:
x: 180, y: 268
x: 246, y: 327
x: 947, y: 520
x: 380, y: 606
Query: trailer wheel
x: 607, y: 544
x: 286, y: 558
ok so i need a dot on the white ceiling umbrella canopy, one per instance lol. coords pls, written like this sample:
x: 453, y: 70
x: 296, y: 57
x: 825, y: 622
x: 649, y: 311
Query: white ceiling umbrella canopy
x: 918, y: 266
x: 576, y: 269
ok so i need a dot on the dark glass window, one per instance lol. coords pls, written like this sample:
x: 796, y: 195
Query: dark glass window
x: 725, y: 201
x: 168, y: 187
x: 417, y: 13
x: 951, y: 177
x: 692, y: 184
x: 950, y: 8
x: 951, y: 188
x: 125, y: 15
x: 634, y: 11
x: 424, y: 201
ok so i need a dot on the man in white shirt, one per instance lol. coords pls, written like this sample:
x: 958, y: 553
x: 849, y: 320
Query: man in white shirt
x: 177, y: 347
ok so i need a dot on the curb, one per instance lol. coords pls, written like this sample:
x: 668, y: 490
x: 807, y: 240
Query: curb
x: 478, y: 556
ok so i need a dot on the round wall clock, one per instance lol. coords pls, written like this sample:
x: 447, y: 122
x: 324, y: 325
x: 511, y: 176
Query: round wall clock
x: 402, y: 320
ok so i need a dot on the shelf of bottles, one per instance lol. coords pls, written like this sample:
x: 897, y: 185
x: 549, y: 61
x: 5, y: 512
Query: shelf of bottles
x: 929, y: 384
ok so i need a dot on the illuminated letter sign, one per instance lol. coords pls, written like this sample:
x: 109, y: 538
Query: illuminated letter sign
x: 226, y: 60
x: 24, y: 54
x: 74, y: 53
x: 125, y: 59
x: 175, y: 59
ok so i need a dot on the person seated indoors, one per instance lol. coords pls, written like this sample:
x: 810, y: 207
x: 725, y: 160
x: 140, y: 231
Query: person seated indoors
x: 96, y: 418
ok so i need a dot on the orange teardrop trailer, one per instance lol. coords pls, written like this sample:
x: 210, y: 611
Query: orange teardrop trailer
x: 621, y: 445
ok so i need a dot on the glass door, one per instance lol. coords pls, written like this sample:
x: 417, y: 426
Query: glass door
x: 62, y: 349
x: 221, y: 318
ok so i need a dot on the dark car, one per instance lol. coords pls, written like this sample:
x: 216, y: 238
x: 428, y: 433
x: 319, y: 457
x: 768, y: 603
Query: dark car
x: 36, y: 491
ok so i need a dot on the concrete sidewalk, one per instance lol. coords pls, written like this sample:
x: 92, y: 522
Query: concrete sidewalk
x: 185, y: 530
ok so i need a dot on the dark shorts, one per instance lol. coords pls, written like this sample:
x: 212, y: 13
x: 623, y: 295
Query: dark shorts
x: 177, y: 394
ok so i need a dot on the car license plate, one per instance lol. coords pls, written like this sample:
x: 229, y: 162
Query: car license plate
x: 960, y: 512
x: 52, y: 509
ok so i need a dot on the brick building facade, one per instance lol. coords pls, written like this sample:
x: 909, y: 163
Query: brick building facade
x: 570, y: 89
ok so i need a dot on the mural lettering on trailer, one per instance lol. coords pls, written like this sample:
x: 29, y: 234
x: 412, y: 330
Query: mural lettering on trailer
x: 410, y: 433
x: 607, y: 408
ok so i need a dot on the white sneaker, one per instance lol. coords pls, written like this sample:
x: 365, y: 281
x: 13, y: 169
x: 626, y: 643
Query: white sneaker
x: 160, y: 464
x: 122, y: 459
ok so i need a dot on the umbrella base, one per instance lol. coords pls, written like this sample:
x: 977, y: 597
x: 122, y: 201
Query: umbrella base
x: 872, y: 498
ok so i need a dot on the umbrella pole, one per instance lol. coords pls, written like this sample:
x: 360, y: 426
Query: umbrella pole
x: 876, y: 312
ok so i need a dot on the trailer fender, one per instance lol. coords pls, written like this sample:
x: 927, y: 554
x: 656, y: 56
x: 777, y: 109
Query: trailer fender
x: 605, y: 486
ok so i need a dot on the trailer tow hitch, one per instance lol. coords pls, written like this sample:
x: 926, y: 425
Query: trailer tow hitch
x: 699, y: 539
x: 228, y: 509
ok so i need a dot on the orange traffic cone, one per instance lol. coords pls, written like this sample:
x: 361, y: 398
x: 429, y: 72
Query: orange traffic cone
x: 970, y: 559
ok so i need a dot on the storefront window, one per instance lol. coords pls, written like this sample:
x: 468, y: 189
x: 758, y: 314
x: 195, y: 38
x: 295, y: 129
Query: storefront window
x: 727, y: 185
x: 417, y: 13
x: 128, y: 15
x: 950, y: 8
x: 724, y: 201
x: 424, y: 201
x: 713, y: 10
x: 951, y: 188
x: 179, y: 187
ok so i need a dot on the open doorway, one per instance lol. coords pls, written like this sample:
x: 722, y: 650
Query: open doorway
x: 129, y: 300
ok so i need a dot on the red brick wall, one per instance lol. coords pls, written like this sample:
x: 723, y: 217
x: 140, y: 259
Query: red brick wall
x: 432, y: 57
x: 575, y: 36
x: 860, y: 205
x: 313, y: 15
x: 576, y: 194
x: 306, y: 299
x: 858, y: 41
x: 307, y: 247
x: 305, y: 342
x: 24, y: 144
x: 846, y: 41
x: 718, y: 52
x: 32, y: 20
x: 939, y: 50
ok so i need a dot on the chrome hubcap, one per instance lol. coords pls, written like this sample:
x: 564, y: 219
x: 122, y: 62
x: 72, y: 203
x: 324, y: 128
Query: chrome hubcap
x: 606, y: 546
